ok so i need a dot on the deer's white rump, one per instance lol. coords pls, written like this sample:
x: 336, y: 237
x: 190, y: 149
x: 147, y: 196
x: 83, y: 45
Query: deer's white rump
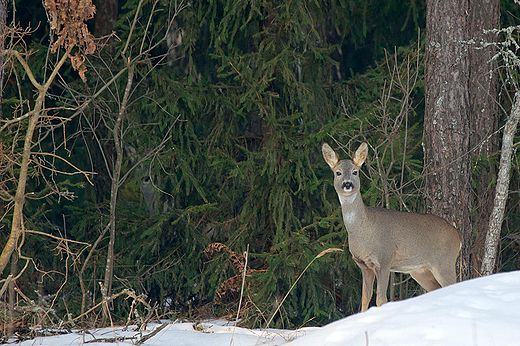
x: 383, y: 240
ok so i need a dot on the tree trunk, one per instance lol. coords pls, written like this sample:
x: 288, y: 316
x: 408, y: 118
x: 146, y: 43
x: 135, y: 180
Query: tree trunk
x: 3, y: 22
x: 17, y: 226
x: 12, y: 294
x: 483, y: 92
x: 446, y: 120
x: 502, y: 191
x: 483, y: 82
x: 19, y: 199
x: 116, y: 182
x: 106, y: 15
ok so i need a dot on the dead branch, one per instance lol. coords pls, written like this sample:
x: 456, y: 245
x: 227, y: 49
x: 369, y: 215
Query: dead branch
x: 152, y: 334
x: 78, y: 171
x: 128, y: 292
x: 502, y: 190
x: 56, y: 237
x: 112, y: 340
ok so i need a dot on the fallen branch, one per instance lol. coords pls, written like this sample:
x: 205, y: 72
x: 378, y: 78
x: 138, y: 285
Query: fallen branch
x: 115, y: 339
x: 152, y: 334
x: 125, y: 291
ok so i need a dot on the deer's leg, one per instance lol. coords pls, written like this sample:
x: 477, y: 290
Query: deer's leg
x: 368, y: 287
x: 424, y: 276
x: 382, y: 275
x: 445, y: 275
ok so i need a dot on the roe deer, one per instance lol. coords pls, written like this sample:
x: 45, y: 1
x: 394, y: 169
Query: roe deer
x: 383, y: 240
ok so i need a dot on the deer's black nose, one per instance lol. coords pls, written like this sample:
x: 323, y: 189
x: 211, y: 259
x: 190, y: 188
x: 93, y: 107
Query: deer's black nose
x: 347, y: 185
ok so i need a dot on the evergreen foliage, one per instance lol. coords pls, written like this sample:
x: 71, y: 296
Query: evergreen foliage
x: 239, y: 104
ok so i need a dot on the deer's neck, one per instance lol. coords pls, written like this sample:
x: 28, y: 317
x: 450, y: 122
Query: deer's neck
x: 353, y: 209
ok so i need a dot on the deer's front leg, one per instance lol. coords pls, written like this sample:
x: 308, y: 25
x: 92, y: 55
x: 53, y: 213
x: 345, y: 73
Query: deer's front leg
x: 367, y: 270
x: 382, y: 275
x: 368, y: 287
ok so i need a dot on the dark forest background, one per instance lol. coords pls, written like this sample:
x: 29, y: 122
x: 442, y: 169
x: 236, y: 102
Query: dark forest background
x: 190, y: 150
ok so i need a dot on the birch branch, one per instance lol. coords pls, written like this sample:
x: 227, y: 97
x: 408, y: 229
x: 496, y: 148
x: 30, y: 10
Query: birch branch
x: 502, y: 190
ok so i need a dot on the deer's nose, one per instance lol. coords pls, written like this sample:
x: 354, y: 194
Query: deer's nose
x: 347, y: 185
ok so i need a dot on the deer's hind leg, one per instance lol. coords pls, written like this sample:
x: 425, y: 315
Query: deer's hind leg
x: 424, y: 276
x: 445, y: 275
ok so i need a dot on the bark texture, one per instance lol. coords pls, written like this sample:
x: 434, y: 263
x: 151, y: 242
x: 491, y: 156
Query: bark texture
x: 106, y: 15
x: 483, y: 95
x: 483, y: 82
x: 446, y: 123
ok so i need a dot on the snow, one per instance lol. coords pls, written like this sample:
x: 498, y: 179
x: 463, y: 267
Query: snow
x: 483, y: 311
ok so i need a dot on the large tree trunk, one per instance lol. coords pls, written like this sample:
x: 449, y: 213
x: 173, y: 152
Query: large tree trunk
x: 483, y: 82
x: 446, y: 121
x: 106, y: 15
x: 483, y: 91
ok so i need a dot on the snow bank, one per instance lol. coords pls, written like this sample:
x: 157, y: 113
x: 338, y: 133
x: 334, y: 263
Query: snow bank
x: 484, y: 311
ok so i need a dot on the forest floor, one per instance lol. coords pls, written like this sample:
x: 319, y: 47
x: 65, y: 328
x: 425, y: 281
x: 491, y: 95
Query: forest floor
x: 483, y: 311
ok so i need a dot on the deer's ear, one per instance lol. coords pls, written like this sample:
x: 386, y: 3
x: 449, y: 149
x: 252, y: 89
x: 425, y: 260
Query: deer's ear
x: 329, y: 155
x: 361, y: 154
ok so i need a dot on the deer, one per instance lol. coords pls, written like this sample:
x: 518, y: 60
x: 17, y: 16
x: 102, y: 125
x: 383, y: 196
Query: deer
x: 383, y: 240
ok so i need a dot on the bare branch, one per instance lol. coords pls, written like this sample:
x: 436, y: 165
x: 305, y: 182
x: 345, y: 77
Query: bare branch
x: 56, y: 237
x: 502, y: 190
x: 78, y: 171
x: 25, y: 65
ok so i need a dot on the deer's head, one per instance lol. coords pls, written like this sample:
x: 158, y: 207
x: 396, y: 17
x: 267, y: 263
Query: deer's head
x: 346, y: 172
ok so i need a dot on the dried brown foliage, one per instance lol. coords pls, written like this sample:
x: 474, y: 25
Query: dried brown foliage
x: 67, y: 19
x: 232, y: 285
x: 237, y: 259
x: 78, y: 64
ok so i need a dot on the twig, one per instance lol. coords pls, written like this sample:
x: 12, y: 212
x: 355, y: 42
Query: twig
x: 244, y: 271
x: 324, y: 252
x: 6, y: 284
x: 152, y: 334
x: 10, y: 277
x: 79, y: 171
x: 56, y: 237
x: 25, y: 65
x: 111, y: 340
x: 132, y: 27
x: 125, y: 291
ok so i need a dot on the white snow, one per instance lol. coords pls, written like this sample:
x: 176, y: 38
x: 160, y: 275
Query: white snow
x: 484, y: 311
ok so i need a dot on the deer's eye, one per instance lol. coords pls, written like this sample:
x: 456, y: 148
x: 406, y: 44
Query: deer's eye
x: 354, y: 172
x: 338, y: 173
